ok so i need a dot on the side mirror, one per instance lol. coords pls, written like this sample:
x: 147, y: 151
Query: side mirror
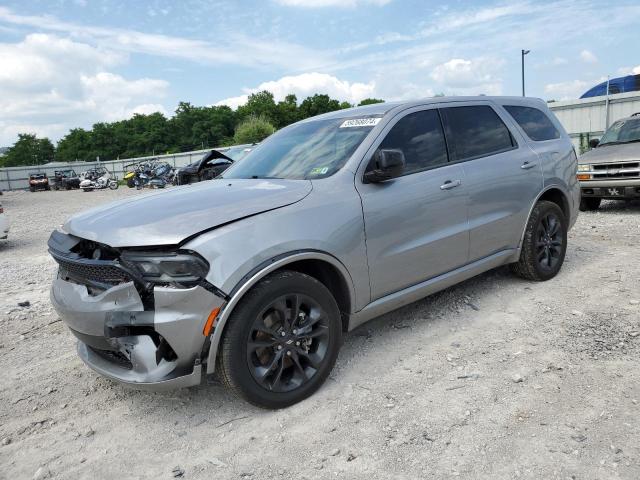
x: 594, y: 142
x: 387, y: 164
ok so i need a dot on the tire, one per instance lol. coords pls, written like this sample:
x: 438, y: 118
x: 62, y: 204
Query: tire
x: 113, y: 185
x: 589, y: 204
x: 32, y: 189
x: 131, y: 183
x: 544, y: 245
x: 87, y: 189
x: 300, y: 364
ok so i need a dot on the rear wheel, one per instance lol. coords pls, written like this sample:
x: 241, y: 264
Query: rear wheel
x: 281, y: 341
x: 113, y: 185
x: 544, y: 245
x: 589, y: 204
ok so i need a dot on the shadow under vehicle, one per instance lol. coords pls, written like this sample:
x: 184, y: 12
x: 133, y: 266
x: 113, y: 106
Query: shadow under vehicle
x: 212, y: 164
x: 65, y: 180
x: 38, y: 181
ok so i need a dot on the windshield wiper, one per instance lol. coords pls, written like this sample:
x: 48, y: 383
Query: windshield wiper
x: 256, y: 177
x: 619, y: 143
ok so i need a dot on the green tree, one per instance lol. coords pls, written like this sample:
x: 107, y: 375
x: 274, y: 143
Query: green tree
x: 252, y: 130
x: 287, y: 111
x: 370, y: 101
x: 28, y: 150
x: 75, y: 145
x: 260, y: 104
x: 318, y: 104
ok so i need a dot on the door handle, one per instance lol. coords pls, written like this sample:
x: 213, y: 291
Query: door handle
x: 449, y: 184
x: 527, y: 165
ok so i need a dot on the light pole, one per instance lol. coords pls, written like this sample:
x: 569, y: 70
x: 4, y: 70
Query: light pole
x: 524, y: 52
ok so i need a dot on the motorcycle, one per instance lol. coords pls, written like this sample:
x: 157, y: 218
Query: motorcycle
x: 98, y: 178
x: 153, y: 174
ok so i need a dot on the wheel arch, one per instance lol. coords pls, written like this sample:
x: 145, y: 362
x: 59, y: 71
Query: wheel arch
x: 322, y: 266
x: 554, y: 194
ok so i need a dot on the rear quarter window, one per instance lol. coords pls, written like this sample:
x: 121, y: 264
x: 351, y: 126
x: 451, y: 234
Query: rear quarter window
x: 476, y: 131
x: 534, y: 122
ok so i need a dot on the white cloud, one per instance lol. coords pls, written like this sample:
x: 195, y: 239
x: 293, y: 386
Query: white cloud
x: 330, y: 3
x: 51, y: 84
x: 233, y: 47
x: 308, y: 84
x: 588, y: 57
x: 566, y: 90
x: 461, y: 76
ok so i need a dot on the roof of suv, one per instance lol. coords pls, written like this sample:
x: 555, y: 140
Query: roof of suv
x: 383, y: 108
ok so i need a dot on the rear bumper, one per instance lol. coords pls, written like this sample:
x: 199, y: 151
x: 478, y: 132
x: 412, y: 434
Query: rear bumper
x: 154, y: 350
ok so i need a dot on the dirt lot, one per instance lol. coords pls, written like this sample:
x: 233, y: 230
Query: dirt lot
x: 494, y: 378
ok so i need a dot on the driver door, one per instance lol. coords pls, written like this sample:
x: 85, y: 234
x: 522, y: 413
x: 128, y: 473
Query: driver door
x: 416, y: 224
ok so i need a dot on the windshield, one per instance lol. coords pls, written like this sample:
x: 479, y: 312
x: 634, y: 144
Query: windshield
x: 623, y: 131
x: 308, y: 150
x: 237, y: 153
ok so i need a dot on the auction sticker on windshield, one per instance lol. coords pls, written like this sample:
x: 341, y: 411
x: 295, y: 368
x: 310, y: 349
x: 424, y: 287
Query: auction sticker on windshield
x: 361, y: 122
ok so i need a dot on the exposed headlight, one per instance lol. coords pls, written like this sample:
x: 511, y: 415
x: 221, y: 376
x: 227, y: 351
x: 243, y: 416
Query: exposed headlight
x: 183, y: 268
x: 584, y: 168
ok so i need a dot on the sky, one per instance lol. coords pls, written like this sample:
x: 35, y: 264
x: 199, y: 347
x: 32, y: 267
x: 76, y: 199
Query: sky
x: 72, y: 63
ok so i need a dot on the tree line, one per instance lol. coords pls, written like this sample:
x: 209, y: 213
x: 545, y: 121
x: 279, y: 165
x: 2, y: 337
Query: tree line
x: 191, y: 128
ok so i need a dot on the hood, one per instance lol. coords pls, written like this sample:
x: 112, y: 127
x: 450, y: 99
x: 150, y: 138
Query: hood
x: 624, y: 152
x: 169, y: 217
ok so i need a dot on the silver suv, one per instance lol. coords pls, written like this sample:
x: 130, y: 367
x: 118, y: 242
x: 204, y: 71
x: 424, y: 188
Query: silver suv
x: 612, y: 169
x: 329, y: 223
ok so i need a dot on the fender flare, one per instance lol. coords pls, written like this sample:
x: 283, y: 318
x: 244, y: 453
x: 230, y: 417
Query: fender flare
x: 258, y: 274
x: 555, y: 186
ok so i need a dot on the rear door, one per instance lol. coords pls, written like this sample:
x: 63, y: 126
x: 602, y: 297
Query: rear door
x: 503, y: 176
x: 415, y: 224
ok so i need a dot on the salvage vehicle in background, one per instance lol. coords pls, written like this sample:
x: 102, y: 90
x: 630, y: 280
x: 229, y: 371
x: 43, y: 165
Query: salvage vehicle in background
x: 330, y: 222
x: 98, y: 178
x: 4, y: 224
x: 212, y: 164
x: 38, y: 181
x: 65, y: 180
x: 611, y: 170
x: 151, y: 173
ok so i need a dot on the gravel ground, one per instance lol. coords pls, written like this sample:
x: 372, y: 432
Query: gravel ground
x: 494, y: 378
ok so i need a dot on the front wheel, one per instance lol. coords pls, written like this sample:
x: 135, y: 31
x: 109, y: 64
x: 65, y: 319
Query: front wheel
x: 544, y: 245
x: 589, y: 204
x: 113, y: 185
x: 282, y: 340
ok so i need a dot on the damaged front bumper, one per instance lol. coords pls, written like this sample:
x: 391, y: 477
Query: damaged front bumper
x: 149, y: 349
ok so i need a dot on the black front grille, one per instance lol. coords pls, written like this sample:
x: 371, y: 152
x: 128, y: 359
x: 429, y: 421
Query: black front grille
x: 114, y: 357
x: 107, y: 273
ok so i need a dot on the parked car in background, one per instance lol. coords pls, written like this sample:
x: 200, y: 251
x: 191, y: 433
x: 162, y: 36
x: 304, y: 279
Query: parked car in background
x: 212, y: 164
x: 65, y: 180
x: 330, y: 222
x: 611, y: 170
x: 4, y: 224
x: 38, y: 181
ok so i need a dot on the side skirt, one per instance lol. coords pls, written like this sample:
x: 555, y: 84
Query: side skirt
x: 416, y: 292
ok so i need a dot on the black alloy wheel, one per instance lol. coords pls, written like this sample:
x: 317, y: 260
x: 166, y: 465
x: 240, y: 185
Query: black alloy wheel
x: 288, y: 342
x: 281, y: 340
x: 544, y: 244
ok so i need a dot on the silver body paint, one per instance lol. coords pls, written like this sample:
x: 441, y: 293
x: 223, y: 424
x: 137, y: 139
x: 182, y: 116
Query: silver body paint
x: 391, y: 243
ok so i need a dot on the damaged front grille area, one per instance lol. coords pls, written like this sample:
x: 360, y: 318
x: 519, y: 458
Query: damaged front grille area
x: 116, y: 358
x: 88, y: 263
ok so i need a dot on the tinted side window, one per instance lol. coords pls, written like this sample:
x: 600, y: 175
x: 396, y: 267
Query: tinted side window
x: 420, y: 137
x: 534, y: 122
x: 476, y: 132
